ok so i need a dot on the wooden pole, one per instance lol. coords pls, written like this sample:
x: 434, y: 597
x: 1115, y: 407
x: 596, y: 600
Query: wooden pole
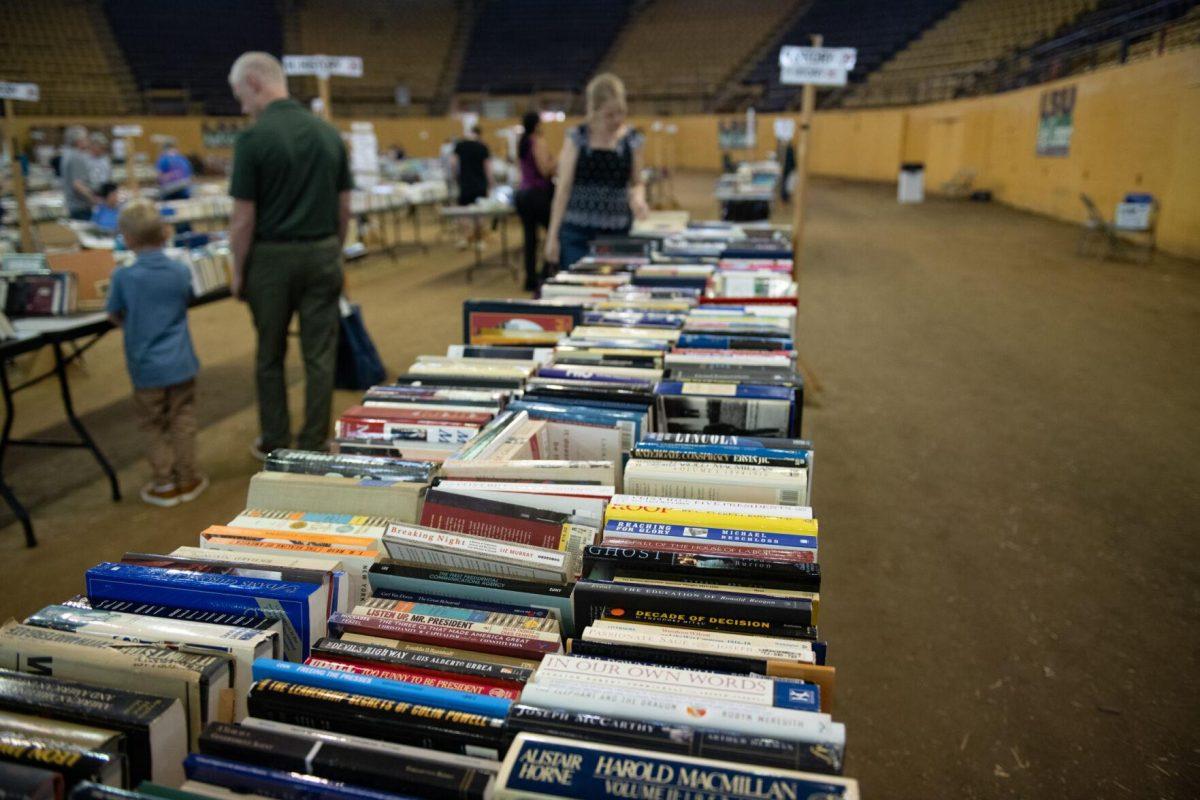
x: 323, y: 91
x: 808, y: 100
x: 18, y: 178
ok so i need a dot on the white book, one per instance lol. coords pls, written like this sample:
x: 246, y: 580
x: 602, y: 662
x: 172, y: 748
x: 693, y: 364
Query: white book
x: 357, y: 564
x: 781, y: 723
x: 564, y: 441
x: 198, y: 680
x: 243, y: 645
x: 449, y: 550
x: 652, y: 678
x: 665, y: 637
x: 347, y: 590
x: 377, y: 745
x: 603, y: 472
x: 746, y: 483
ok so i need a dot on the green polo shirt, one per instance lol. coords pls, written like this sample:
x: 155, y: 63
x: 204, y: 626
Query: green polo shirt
x: 292, y: 165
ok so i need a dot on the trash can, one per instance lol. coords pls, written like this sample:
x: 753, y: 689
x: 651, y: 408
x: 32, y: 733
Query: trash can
x: 910, y: 187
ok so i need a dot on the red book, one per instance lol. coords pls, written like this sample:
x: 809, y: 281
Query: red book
x: 459, y: 638
x: 492, y: 519
x: 420, y: 677
x: 691, y: 546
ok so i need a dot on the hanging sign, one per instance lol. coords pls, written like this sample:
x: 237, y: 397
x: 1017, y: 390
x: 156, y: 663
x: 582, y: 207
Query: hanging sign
x: 19, y: 91
x: 324, y: 66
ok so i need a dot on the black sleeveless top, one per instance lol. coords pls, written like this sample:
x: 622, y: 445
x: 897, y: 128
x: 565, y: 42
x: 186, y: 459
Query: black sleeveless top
x: 600, y: 192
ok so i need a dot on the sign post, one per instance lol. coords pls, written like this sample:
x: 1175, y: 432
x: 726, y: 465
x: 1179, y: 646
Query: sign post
x: 128, y: 133
x: 811, y: 67
x: 324, y: 67
x: 10, y: 92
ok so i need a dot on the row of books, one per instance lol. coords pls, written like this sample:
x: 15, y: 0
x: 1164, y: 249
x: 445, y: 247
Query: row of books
x: 211, y: 265
x: 38, y: 294
x: 571, y: 601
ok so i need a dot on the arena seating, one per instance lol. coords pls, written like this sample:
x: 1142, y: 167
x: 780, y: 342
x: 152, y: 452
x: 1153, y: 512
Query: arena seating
x: 401, y: 45
x: 876, y: 27
x: 187, y: 46
x: 66, y: 48
x: 678, y: 53
x: 522, y: 46
x: 951, y: 56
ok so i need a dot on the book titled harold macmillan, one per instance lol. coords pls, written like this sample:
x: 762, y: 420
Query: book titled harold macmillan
x: 544, y: 766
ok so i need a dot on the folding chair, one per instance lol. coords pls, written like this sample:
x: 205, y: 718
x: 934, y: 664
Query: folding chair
x: 1096, y: 229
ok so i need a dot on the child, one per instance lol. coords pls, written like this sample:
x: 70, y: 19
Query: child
x: 104, y: 216
x: 150, y: 300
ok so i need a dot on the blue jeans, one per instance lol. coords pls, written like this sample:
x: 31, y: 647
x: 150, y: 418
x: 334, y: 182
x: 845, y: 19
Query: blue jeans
x: 575, y: 242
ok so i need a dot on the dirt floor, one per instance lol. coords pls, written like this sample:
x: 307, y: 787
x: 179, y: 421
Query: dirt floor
x: 1006, y: 437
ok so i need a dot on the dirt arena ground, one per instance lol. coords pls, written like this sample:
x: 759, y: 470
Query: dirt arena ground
x: 1006, y: 479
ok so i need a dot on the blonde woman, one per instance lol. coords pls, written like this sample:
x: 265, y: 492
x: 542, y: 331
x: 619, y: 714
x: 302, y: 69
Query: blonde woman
x: 600, y: 190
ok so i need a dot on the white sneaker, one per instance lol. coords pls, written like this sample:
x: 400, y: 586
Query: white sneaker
x: 165, y: 496
x: 189, y: 492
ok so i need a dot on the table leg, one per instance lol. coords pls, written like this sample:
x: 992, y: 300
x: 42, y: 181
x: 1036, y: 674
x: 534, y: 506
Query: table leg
x: 5, y: 491
x: 475, y: 245
x: 416, y: 216
x: 60, y: 368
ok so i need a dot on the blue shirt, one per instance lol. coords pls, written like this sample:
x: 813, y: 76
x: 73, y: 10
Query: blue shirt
x: 174, y: 174
x: 105, y: 217
x: 153, y: 294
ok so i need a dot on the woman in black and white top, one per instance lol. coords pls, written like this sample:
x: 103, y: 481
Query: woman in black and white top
x: 600, y: 190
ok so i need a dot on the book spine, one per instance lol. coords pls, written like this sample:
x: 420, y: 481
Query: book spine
x: 706, y: 610
x: 686, y: 547
x: 72, y: 763
x: 507, y: 645
x: 255, y: 780
x: 417, y: 677
x: 433, y: 601
x: 720, y: 455
x: 681, y: 739
x: 500, y: 675
x: 543, y: 766
x: 440, y: 548
x: 451, y: 625
x: 650, y: 678
x: 338, y: 762
x: 353, y: 683
x: 793, y: 575
x: 375, y: 718
x: 183, y: 614
x: 745, y: 537
x: 691, y: 639
x: 781, y: 723
x: 522, y: 622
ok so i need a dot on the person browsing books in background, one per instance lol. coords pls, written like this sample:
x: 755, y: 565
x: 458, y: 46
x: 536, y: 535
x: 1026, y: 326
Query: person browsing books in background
x: 536, y: 193
x: 291, y: 188
x: 600, y: 190
x: 104, y: 216
x: 174, y: 173
x: 149, y: 300
x: 474, y: 174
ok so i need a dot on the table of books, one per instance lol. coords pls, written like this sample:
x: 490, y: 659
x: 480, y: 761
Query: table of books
x: 574, y: 556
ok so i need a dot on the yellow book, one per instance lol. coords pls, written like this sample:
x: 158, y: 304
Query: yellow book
x: 349, y: 542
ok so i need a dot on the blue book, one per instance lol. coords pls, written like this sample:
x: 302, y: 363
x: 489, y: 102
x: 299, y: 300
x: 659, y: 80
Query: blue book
x: 580, y: 373
x: 711, y: 341
x: 384, y: 689
x: 628, y: 422
x: 300, y: 606
x: 248, y: 779
x: 729, y: 536
x: 760, y: 442
x: 548, y: 766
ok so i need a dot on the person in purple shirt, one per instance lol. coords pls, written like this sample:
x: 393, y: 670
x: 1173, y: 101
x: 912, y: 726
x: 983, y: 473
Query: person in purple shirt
x: 535, y: 192
x: 149, y: 299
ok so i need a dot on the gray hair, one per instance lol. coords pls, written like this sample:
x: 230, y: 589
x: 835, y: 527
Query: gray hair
x: 264, y: 66
x: 75, y: 135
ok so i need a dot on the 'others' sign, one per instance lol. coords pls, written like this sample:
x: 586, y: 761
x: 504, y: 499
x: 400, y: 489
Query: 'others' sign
x: 324, y: 66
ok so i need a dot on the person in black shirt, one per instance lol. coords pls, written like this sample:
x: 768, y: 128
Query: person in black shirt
x: 470, y: 162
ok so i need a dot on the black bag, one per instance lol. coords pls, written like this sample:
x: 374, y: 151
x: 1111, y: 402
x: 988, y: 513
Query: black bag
x: 358, y: 363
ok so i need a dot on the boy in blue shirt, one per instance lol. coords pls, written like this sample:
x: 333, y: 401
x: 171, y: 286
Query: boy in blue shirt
x: 149, y: 299
x: 104, y: 216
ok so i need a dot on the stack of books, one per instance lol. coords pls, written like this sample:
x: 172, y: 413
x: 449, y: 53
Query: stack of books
x: 526, y: 570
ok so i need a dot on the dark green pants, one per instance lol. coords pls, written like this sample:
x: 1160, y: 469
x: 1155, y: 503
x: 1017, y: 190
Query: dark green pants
x: 283, y: 279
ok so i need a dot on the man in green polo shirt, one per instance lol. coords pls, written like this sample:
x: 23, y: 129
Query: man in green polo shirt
x: 291, y: 205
